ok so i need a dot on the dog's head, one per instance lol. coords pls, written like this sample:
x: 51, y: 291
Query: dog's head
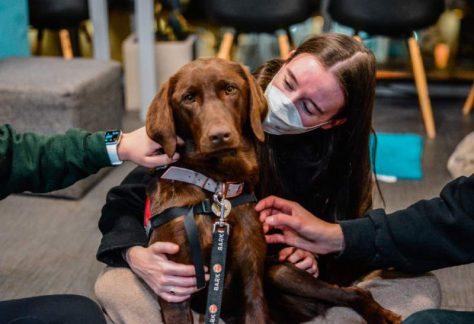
x: 215, y: 104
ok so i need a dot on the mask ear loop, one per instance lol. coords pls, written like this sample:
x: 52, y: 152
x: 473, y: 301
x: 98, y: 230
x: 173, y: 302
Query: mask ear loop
x: 318, y: 126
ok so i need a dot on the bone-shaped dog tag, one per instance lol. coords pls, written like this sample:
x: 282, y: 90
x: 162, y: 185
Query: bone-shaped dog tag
x: 216, y: 208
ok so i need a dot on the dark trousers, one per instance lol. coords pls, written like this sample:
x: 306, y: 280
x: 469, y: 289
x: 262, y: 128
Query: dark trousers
x: 440, y: 316
x: 53, y: 309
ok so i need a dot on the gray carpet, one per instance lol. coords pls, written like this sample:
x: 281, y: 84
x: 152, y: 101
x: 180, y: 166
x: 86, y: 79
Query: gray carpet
x: 48, y: 245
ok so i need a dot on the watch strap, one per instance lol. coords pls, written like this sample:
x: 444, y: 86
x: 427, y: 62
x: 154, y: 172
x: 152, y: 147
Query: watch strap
x: 111, y: 144
x: 113, y: 155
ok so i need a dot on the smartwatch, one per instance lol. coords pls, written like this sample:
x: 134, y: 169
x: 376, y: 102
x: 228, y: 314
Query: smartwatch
x: 112, y: 139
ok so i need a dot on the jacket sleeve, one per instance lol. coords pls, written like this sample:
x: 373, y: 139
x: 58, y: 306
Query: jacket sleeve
x: 121, y: 222
x: 42, y: 163
x: 428, y: 235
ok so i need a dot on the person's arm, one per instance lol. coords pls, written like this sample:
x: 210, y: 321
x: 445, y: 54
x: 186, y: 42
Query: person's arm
x: 124, y: 242
x: 428, y: 235
x: 122, y: 219
x: 42, y: 163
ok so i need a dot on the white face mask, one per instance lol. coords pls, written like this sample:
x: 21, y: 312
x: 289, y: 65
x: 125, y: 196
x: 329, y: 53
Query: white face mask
x: 283, y: 117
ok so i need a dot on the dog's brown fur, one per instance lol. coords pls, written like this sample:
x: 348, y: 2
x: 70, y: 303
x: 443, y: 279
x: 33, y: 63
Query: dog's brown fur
x: 217, y: 107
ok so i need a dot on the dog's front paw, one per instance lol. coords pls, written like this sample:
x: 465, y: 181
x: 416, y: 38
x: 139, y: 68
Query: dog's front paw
x: 372, y: 311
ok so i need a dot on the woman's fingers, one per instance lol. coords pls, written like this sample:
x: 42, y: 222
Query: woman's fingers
x: 164, y: 248
x: 274, y: 238
x: 273, y: 202
x: 173, y: 298
x: 178, y: 290
x: 179, y: 281
x: 302, y: 259
x: 279, y: 219
x: 286, y: 253
x: 177, y: 269
x: 182, y: 281
x: 305, y: 264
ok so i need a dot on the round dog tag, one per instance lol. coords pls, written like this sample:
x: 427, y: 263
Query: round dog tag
x: 216, y: 208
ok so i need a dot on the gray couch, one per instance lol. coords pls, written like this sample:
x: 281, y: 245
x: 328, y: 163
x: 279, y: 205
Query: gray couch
x: 51, y: 95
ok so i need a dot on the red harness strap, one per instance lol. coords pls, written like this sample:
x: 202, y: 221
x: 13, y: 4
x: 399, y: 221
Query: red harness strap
x: 147, y: 211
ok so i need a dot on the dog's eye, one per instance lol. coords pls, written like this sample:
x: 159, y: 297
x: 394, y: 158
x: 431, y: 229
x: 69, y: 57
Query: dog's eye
x: 230, y: 89
x: 189, y: 97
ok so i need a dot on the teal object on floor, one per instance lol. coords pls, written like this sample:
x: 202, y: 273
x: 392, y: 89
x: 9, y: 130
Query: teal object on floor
x: 398, y: 155
x: 14, y: 28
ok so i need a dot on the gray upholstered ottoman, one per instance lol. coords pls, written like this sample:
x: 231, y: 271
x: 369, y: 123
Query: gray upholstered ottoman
x: 51, y: 95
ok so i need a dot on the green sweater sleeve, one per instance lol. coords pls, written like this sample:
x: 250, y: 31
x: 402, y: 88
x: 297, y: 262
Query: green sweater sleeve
x: 42, y: 163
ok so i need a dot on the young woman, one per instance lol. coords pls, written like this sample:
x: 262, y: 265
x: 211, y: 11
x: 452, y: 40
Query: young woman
x: 316, y: 152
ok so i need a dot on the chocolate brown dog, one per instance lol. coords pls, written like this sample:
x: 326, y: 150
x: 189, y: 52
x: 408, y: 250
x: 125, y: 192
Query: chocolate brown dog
x: 217, y: 107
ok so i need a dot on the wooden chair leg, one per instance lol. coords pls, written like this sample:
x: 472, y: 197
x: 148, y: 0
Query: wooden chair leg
x: 39, y: 42
x: 85, y: 31
x: 65, y: 44
x: 75, y: 42
x: 422, y: 87
x: 226, y: 45
x: 283, y: 44
x: 469, y: 102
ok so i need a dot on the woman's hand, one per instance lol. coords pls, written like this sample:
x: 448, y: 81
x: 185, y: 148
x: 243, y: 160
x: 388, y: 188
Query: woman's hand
x: 299, y: 228
x: 171, y: 281
x: 137, y: 147
x: 302, y: 259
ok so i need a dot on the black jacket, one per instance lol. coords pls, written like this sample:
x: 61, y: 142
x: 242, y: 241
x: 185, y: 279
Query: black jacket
x: 122, y: 218
x: 428, y: 235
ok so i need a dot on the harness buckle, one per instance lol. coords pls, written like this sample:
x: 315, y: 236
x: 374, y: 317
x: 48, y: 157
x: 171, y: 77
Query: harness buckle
x: 206, y: 206
x: 221, y: 225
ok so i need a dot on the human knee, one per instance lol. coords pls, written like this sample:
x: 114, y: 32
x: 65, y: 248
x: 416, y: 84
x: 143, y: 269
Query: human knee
x: 106, y: 285
x: 117, y: 285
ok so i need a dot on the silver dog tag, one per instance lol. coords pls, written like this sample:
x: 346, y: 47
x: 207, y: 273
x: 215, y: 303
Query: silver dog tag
x: 216, y: 208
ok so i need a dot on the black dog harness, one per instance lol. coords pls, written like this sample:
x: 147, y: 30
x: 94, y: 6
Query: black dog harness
x: 204, y: 207
x: 220, y: 207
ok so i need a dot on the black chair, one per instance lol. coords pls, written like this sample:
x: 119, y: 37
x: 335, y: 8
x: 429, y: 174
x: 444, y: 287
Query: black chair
x: 257, y: 16
x: 396, y: 19
x: 63, y: 15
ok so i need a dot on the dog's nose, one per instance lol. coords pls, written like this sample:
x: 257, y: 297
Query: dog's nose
x: 219, y: 135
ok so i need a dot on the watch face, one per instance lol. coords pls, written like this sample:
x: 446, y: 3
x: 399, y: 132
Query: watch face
x: 112, y: 136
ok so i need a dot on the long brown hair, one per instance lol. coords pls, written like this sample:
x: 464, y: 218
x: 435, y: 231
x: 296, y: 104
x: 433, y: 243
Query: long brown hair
x: 340, y: 183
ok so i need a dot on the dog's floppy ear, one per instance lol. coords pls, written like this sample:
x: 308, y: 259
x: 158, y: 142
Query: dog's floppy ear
x: 258, y: 105
x: 160, y: 122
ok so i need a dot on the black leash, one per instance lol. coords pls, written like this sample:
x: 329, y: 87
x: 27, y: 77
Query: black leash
x: 220, y: 238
